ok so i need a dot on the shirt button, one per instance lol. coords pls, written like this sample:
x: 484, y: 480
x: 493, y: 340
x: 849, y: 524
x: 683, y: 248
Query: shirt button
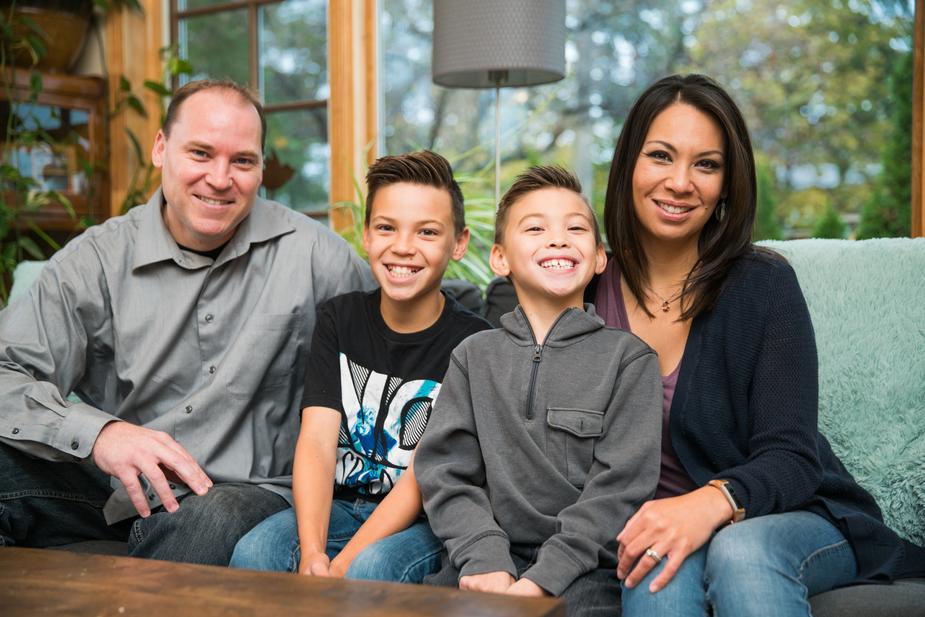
x: 75, y: 444
x: 189, y: 409
x: 211, y: 369
x: 15, y: 431
x: 209, y: 318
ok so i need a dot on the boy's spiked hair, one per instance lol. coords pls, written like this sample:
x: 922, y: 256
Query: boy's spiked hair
x: 422, y: 167
x: 534, y: 179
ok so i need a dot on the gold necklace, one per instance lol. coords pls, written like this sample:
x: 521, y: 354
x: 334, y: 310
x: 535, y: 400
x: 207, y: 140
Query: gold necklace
x: 666, y: 302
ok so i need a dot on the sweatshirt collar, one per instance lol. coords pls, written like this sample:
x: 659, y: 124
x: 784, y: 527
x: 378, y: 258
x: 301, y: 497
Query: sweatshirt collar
x: 570, y: 326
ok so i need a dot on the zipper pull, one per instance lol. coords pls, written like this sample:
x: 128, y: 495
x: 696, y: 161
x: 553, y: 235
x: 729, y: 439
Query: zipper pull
x: 537, y: 353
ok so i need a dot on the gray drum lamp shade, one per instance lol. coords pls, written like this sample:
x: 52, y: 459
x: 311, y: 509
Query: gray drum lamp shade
x: 492, y: 43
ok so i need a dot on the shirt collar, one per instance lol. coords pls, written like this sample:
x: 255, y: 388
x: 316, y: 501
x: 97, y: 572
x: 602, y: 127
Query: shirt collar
x: 154, y: 242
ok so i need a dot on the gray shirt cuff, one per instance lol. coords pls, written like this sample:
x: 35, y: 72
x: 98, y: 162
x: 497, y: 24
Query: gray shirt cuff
x: 81, y: 426
x: 554, y: 570
x: 490, y: 553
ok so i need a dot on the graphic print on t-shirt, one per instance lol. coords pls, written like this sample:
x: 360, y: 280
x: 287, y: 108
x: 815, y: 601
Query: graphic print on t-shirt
x: 384, y: 417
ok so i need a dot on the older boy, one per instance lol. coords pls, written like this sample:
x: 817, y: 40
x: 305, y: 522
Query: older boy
x: 376, y: 364
x: 546, y: 435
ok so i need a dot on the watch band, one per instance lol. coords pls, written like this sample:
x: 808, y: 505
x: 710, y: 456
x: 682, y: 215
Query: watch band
x: 738, y: 512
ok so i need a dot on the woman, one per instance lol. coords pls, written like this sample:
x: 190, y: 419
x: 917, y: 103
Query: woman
x: 738, y: 360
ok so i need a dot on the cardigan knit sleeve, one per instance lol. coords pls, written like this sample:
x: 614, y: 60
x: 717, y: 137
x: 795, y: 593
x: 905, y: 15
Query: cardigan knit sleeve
x: 782, y: 469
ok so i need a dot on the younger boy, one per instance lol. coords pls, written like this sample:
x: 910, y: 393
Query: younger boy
x: 546, y: 435
x: 376, y: 363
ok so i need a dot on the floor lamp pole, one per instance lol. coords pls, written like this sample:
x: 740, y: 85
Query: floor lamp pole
x: 497, y: 145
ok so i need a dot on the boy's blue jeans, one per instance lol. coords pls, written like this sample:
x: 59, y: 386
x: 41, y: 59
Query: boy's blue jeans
x: 766, y: 566
x: 405, y: 557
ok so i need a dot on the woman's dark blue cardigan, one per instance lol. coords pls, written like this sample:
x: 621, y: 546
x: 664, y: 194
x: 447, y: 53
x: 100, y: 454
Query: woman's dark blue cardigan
x: 745, y: 409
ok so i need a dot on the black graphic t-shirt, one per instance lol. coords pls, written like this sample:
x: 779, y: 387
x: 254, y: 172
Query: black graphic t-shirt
x: 383, y: 382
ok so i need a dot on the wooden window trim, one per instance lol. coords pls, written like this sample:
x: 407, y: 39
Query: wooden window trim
x: 352, y: 114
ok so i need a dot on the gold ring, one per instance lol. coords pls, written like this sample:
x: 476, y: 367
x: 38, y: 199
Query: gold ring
x: 650, y: 552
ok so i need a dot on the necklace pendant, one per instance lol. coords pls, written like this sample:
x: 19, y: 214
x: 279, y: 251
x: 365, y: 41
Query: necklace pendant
x: 665, y: 306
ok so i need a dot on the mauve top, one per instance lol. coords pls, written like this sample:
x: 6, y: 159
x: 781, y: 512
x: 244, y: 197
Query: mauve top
x: 674, y: 480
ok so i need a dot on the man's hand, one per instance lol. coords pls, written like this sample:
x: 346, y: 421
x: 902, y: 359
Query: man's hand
x: 526, y: 587
x: 124, y: 450
x: 491, y: 582
x: 315, y: 564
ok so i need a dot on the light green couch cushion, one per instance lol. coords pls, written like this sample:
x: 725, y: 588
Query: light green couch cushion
x: 24, y: 275
x: 867, y: 301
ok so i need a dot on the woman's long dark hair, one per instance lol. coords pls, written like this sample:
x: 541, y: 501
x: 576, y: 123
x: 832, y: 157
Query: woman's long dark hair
x: 721, y: 242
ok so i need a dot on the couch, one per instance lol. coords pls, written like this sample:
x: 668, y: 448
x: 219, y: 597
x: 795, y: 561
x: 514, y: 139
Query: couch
x: 867, y: 301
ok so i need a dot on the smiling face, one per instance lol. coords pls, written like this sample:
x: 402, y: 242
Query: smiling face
x: 211, y: 167
x: 678, y: 177
x: 410, y: 239
x: 549, y: 248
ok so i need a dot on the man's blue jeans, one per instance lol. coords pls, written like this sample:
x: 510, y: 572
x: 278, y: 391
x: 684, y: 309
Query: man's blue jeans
x: 405, y: 557
x: 49, y: 504
x: 766, y: 566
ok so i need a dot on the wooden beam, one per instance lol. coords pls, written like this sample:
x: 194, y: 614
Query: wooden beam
x: 352, y: 105
x: 371, y: 91
x: 133, y: 42
x: 918, y: 123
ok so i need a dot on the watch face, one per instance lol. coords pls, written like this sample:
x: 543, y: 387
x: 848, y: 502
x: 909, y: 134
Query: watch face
x: 732, y: 494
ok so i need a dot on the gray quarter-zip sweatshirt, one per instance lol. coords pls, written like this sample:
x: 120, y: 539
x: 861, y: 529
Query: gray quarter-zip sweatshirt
x: 550, y: 447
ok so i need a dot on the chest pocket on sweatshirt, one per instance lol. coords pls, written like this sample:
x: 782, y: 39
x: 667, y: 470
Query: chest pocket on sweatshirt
x: 573, y: 439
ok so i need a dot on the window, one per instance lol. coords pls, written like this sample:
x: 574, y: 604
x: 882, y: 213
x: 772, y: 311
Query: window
x: 826, y: 88
x: 278, y: 47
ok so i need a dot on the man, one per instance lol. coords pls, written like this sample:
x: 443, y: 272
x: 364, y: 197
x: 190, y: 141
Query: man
x: 183, y: 328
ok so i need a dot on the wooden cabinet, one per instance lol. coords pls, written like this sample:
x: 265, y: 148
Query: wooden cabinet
x: 65, y: 148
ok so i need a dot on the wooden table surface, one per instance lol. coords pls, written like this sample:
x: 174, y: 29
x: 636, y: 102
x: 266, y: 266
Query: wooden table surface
x: 40, y: 582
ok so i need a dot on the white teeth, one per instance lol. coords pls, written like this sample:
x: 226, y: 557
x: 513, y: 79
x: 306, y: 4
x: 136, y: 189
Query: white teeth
x: 215, y: 202
x: 671, y: 209
x: 403, y: 270
x: 557, y: 264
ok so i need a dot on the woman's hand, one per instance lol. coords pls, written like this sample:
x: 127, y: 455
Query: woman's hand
x: 491, y: 582
x: 672, y: 528
x: 526, y: 587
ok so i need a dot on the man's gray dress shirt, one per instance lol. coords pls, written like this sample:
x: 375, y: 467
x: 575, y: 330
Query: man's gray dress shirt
x: 212, y: 352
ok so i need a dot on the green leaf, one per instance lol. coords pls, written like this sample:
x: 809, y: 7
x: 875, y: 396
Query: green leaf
x: 178, y: 66
x: 48, y: 240
x: 37, y: 45
x: 124, y: 84
x: 33, y: 26
x: 35, y: 83
x: 136, y: 146
x: 157, y: 87
x: 135, y: 103
x: 29, y: 246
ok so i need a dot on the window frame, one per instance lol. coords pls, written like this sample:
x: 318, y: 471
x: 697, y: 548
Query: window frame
x: 253, y: 54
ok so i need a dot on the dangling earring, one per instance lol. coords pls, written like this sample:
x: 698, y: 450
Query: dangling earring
x: 720, y: 211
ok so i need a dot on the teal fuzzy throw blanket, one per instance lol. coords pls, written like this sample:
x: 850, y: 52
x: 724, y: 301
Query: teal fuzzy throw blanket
x: 867, y: 301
